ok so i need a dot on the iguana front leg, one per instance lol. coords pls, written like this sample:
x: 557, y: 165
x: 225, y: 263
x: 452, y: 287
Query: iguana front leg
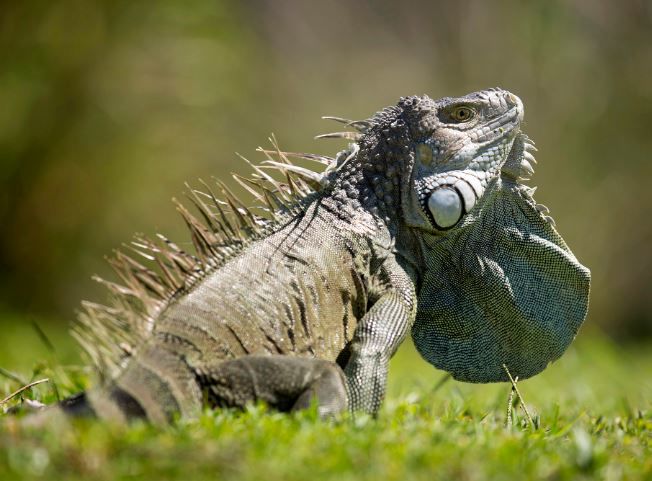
x: 377, y: 337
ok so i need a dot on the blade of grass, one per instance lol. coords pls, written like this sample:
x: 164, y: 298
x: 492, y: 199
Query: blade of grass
x: 22, y: 389
x: 12, y: 375
x: 509, y: 420
x: 441, y: 383
x: 43, y: 337
x: 527, y: 413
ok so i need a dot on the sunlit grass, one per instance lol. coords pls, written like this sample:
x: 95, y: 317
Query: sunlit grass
x: 593, y: 410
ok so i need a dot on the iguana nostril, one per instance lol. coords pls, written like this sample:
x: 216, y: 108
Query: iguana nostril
x: 445, y: 205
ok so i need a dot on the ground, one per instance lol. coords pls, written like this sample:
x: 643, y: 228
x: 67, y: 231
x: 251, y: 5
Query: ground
x: 592, y: 412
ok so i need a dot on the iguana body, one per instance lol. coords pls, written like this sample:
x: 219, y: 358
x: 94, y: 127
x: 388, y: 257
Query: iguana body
x: 420, y: 224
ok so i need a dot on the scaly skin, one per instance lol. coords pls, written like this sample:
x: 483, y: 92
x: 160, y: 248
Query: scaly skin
x: 317, y: 308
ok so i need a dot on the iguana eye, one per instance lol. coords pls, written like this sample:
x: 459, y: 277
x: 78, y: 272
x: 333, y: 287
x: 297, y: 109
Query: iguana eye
x: 462, y: 114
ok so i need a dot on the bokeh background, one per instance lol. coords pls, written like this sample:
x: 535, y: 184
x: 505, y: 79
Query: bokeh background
x: 108, y: 106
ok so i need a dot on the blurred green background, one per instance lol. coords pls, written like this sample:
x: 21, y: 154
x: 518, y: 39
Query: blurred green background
x: 108, y: 106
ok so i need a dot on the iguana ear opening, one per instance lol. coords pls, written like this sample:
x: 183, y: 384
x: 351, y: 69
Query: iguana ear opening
x: 502, y: 289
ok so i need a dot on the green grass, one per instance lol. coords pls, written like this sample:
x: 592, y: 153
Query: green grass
x: 593, y: 409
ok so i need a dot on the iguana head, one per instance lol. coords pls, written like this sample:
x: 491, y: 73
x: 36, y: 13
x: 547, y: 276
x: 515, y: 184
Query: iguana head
x: 459, y: 147
x: 425, y: 163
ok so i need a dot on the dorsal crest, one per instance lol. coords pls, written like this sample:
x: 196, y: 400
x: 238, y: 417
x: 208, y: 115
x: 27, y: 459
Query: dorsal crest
x: 153, y: 272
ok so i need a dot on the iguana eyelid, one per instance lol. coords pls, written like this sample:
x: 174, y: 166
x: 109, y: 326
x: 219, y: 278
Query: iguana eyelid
x: 451, y: 114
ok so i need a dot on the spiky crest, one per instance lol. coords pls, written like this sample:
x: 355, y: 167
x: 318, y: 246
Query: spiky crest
x: 111, y: 333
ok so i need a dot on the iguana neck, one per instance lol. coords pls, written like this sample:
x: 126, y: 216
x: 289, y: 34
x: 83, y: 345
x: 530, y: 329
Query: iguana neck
x: 369, y: 183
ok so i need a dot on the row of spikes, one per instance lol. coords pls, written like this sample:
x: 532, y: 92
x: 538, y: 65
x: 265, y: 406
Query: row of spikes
x: 111, y: 333
x: 524, y: 171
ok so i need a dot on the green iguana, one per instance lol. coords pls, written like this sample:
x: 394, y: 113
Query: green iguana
x: 422, y: 224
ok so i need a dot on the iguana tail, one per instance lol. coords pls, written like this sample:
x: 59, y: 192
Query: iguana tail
x: 157, y: 385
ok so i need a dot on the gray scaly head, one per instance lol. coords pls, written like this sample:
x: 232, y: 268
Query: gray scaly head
x: 500, y: 287
x: 461, y: 146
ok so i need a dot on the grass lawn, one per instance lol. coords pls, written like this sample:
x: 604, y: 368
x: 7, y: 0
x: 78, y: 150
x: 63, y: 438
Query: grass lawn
x: 593, y: 409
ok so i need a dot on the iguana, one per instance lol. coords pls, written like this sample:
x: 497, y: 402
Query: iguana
x: 422, y: 225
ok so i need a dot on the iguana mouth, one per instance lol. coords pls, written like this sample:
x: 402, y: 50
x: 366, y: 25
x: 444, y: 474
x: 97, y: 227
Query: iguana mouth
x: 497, y: 127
